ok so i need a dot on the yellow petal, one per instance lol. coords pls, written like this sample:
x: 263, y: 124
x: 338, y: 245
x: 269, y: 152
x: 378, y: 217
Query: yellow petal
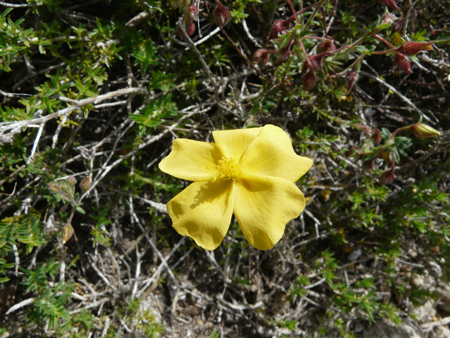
x: 233, y: 143
x: 192, y: 160
x: 271, y: 154
x: 203, y: 211
x: 263, y: 206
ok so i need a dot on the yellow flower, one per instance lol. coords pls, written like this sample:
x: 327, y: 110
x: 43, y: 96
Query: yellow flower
x: 248, y: 172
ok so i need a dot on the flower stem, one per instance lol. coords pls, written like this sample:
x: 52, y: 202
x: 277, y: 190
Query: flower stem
x: 354, y: 44
x: 301, y: 12
x: 305, y: 53
x: 382, y: 39
x: 293, y: 11
x: 384, y: 51
x: 399, y: 130
x: 311, y: 18
x: 317, y: 38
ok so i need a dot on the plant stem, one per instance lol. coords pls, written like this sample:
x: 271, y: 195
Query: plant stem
x: 305, y: 53
x: 399, y: 130
x: 301, y: 12
x: 384, y: 51
x: 317, y: 38
x: 293, y: 11
x: 311, y: 18
x: 382, y: 39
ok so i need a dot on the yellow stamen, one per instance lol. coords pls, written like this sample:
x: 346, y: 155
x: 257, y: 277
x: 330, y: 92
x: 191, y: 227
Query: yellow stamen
x: 228, y: 169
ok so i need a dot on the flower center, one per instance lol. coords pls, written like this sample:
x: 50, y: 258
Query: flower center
x: 228, y: 169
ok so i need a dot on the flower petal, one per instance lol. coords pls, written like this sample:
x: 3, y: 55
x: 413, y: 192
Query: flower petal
x: 271, y: 154
x: 233, y: 143
x: 263, y: 206
x: 203, y: 211
x: 192, y: 160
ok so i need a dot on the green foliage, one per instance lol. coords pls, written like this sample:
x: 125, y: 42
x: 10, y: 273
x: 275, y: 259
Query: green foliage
x: 83, y: 321
x: 288, y: 324
x: 24, y: 229
x: 4, y: 266
x: 99, y: 232
x: 148, y: 324
x: 238, y: 11
x: 215, y: 334
x: 155, y: 112
x: 15, y: 37
x: 51, y: 298
x: 145, y: 55
x: 299, y: 289
x: 162, y: 81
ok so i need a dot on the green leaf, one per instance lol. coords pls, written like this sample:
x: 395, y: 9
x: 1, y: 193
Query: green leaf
x: 162, y: 81
x: 81, y: 210
x: 383, y: 26
x: 145, y: 56
x: 153, y: 114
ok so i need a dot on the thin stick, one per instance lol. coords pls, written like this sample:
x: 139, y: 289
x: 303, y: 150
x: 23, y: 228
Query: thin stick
x: 20, y: 305
x: 7, y: 4
x: 35, y: 144
x: 396, y: 92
